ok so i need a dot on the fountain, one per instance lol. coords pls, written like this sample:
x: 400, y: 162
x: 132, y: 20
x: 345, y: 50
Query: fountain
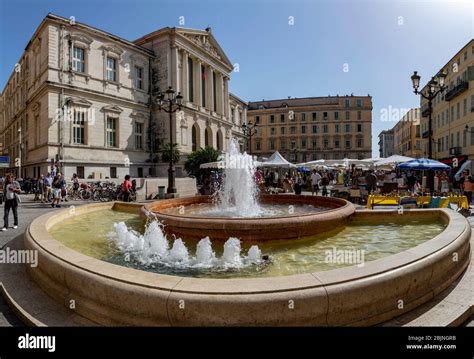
x: 238, y: 210
x: 204, y: 260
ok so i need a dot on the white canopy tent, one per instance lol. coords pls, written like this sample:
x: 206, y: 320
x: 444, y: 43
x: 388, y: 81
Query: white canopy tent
x: 392, y: 161
x: 277, y: 160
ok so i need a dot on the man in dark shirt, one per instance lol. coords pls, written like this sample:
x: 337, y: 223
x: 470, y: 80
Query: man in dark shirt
x: 371, y: 181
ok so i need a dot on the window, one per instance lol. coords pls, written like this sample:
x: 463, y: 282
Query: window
x: 348, y: 143
x: 314, y: 143
x: 113, y: 172
x: 359, y: 127
x: 464, y: 138
x: 282, y: 144
x: 336, y: 116
x: 272, y: 118
x: 138, y: 77
x: 336, y: 128
x: 282, y: 130
x: 303, y: 117
x: 347, y: 102
x: 282, y: 117
x: 464, y: 107
x: 336, y: 143
x: 257, y: 120
x: 314, y: 115
x: 303, y: 143
x: 78, y: 127
x: 111, y: 132
x: 272, y: 131
x: 303, y: 129
x: 348, y: 115
x: 325, y: 143
x: 292, y: 130
x: 138, y: 136
x: 360, y: 142
x: 258, y: 146
x: 78, y: 60
x: 325, y: 129
x: 140, y: 172
x: 458, y: 110
x: 359, y: 103
x: 325, y: 116
x: 272, y: 144
x: 315, y: 129
x: 348, y: 127
x: 359, y: 115
x: 80, y: 171
x: 472, y: 136
x: 111, y: 69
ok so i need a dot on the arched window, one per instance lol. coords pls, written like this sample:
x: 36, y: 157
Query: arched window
x: 218, y: 141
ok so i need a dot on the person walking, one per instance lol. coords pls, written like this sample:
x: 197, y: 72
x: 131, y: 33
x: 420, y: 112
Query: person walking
x: 371, y: 181
x: 11, y: 190
x: 468, y: 186
x: 315, y: 178
x: 48, y: 185
x: 126, y: 188
x: 58, y: 184
x: 40, y: 188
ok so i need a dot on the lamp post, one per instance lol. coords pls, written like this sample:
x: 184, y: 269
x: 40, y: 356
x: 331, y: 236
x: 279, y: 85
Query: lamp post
x: 170, y: 103
x: 249, y: 129
x: 434, y: 87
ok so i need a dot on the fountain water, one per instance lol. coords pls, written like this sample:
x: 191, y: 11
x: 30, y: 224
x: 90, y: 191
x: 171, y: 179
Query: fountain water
x: 153, y: 248
x: 238, y: 193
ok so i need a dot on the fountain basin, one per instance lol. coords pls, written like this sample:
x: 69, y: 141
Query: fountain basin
x: 115, y: 295
x: 335, y: 214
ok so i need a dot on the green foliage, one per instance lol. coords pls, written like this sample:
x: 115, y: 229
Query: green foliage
x: 197, y: 158
x: 165, y: 155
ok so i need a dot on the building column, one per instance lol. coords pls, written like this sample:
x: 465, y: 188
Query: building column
x: 197, y: 82
x: 184, y: 75
x: 220, y: 94
x: 209, y: 95
x: 175, y: 68
x: 226, y: 97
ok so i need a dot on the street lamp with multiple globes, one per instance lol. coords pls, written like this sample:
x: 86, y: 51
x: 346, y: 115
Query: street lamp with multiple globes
x: 249, y: 129
x: 434, y: 87
x: 170, y: 103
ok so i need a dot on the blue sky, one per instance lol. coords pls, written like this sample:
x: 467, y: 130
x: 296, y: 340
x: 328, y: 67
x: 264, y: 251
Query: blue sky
x: 381, y: 42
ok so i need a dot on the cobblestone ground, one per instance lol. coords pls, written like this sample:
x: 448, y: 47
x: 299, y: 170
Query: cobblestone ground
x: 27, y: 211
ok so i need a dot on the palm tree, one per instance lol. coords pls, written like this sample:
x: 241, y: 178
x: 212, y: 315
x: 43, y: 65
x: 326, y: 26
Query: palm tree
x: 165, y: 155
x: 196, y: 158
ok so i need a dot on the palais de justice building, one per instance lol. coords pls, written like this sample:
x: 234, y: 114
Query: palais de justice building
x: 82, y: 97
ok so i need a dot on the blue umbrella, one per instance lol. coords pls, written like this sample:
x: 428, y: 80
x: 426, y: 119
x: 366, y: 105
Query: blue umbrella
x: 424, y: 164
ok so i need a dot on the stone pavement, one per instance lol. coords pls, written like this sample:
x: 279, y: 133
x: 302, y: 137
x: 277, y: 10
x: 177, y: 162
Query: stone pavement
x: 27, y: 211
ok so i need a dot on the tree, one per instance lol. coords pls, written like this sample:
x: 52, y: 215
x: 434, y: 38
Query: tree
x: 197, y: 158
x: 165, y: 155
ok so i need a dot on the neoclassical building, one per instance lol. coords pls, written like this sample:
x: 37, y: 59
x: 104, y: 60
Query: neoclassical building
x: 83, y: 99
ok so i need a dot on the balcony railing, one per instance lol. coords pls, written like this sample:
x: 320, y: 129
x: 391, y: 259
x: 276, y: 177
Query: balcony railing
x: 425, y: 111
x: 456, y: 90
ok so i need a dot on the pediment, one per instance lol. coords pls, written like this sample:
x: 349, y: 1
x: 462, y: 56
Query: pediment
x: 80, y: 37
x: 112, y: 108
x: 113, y: 48
x: 79, y: 101
x: 206, y: 41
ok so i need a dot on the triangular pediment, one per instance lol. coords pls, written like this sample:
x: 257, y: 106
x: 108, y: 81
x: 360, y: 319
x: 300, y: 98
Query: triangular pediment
x: 206, y: 41
x: 112, y: 108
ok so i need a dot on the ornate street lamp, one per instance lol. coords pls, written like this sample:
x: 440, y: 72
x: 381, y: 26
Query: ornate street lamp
x: 170, y: 103
x: 434, y: 87
x: 249, y: 129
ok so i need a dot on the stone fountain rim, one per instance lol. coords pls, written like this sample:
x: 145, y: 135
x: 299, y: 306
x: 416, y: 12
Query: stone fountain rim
x: 110, y: 294
x: 345, y: 205
x: 457, y: 228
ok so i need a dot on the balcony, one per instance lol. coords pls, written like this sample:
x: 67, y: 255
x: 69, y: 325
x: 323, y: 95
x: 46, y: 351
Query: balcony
x: 425, y: 134
x: 455, y: 151
x: 456, y: 90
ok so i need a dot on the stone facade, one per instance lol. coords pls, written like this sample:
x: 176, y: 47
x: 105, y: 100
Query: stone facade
x: 407, y: 135
x: 306, y: 129
x: 386, y: 145
x: 82, y: 98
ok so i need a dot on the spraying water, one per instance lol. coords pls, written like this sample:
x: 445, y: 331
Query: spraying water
x: 238, y: 193
x: 153, y: 248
